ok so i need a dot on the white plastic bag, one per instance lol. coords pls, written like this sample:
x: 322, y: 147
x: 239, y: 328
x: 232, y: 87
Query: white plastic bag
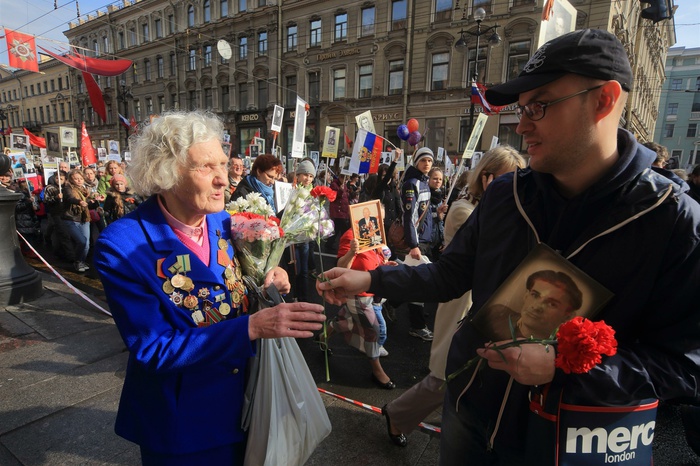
x: 288, y: 419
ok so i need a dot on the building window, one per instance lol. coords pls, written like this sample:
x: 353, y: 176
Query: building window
x: 31, y: 89
x: 341, y: 27
x: 224, y: 8
x: 41, y: 115
x: 95, y: 48
x: 60, y: 84
x: 692, y: 130
x: 171, y: 24
x: 443, y: 10
x: 262, y: 43
x: 190, y: 16
x: 225, y: 101
x: 440, y: 71
x: 672, y: 109
x: 291, y: 37
x: 435, y: 132
x: 208, y: 100
x: 315, y: 36
x: 161, y: 104
x: 159, y: 28
x: 192, y: 100
x: 144, y: 32
x: 398, y: 14
x: 365, y: 75
x: 506, y: 135
x: 242, y: 5
x: 173, y: 101
x: 207, y: 55
x: 132, y: 37
x: 242, y: 96
x: 290, y: 91
x: 314, y: 87
x: 668, y: 130
x: 485, y: 4
x: 338, y: 84
x: 262, y: 94
x: 480, y: 65
x: 676, y: 84
x: 206, y: 11
x: 243, y: 48
x: 173, y: 63
x: 147, y: 68
x: 105, y: 44
x: 697, y: 84
x: 137, y: 110
x: 149, y: 106
x: 161, y: 68
x: 192, y: 63
x: 367, y: 22
x: 518, y: 55
x: 121, y: 40
x: 395, y: 77
x: 63, y: 111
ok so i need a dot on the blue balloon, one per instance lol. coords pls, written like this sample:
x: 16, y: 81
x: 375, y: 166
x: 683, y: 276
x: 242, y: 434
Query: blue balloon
x: 402, y: 132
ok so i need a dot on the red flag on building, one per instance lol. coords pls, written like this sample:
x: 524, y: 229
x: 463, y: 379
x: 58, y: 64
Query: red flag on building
x: 35, y: 140
x: 95, y: 93
x: 21, y: 50
x: 348, y: 141
x: 87, y: 152
x: 133, y: 124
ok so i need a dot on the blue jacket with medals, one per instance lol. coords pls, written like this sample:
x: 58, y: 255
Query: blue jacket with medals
x: 185, y: 378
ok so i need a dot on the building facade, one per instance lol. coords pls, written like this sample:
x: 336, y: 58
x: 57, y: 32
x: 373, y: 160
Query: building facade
x: 677, y: 126
x: 36, y: 101
x: 396, y: 58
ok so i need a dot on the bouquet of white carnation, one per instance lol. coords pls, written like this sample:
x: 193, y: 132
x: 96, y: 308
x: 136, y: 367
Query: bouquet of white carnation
x: 300, y: 220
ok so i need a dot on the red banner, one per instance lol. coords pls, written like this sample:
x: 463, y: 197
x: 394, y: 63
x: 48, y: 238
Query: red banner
x: 87, y: 152
x: 21, y: 50
x: 35, y: 140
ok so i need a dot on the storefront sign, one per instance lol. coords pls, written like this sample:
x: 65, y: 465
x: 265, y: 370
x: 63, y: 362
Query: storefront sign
x: 338, y: 54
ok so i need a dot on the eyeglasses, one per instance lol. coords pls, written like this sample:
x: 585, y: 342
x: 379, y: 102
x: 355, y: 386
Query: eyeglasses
x: 535, y: 110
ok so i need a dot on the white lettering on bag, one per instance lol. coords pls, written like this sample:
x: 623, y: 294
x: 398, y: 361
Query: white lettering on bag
x: 617, y: 441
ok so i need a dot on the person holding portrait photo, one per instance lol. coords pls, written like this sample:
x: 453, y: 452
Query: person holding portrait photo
x: 591, y: 195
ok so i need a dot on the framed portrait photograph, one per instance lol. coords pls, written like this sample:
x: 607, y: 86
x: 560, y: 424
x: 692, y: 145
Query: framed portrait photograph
x: 73, y: 159
x: 345, y: 165
x: 19, y: 141
x: 102, y: 154
x: 69, y: 136
x: 561, y: 21
x: 260, y: 142
x: 368, y: 225
x: 113, y: 147
x: 542, y: 293
x: 226, y: 147
x: 53, y: 144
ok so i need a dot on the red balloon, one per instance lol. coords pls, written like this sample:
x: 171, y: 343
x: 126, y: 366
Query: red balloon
x: 412, y: 125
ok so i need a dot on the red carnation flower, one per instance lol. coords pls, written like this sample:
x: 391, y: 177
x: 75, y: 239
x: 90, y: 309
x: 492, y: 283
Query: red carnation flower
x: 581, y: 344
x: 324, y: 191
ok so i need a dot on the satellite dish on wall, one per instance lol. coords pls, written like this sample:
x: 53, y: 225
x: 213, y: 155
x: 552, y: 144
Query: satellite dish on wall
x: 224, y: 49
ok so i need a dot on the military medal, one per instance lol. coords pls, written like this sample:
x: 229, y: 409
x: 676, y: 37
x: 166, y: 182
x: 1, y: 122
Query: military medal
x: 222, y: 243
x: 228, y: 273
x: 198, y: 317
x: 188, y: 285
x: 168, y: 288
x: 177, y: 281
x: 176, y: 298
x: 203, y: 292
x: 190, y: 302
x: 235, y: 297
x: 224, y: 309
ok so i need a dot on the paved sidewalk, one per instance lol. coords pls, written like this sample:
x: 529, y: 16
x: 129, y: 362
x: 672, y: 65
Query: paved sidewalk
x: 62, y: 365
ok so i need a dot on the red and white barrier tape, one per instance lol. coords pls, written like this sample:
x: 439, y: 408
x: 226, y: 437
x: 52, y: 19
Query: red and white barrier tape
x: 374, y: 409
x: 60, y: 277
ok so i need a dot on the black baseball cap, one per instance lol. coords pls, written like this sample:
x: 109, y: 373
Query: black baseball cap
x: 589, y: 52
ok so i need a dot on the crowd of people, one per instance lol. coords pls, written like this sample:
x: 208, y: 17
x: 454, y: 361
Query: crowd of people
x: 592, y: 193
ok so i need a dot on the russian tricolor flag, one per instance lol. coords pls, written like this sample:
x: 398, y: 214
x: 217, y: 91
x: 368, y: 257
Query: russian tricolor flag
x: 479, y: 99
x: 366, y: 152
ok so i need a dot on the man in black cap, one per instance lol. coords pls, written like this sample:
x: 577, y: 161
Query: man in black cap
x: 591, y: 195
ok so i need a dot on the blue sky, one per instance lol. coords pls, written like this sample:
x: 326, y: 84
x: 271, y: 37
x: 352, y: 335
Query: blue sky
x: 39, y: 18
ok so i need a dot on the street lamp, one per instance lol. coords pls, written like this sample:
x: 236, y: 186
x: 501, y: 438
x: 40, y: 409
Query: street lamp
x: 462, y: 46
x: 124, y: 96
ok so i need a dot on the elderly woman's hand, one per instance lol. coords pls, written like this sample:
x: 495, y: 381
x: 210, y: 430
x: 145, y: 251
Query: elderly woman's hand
x: 279, y: 277
x: 296, y: 320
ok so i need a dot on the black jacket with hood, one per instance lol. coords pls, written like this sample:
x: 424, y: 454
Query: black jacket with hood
x: 415, y: 195
x: 634, y: 231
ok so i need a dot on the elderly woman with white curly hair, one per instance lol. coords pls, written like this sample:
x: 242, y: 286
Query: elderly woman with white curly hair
x: 174, y: 288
